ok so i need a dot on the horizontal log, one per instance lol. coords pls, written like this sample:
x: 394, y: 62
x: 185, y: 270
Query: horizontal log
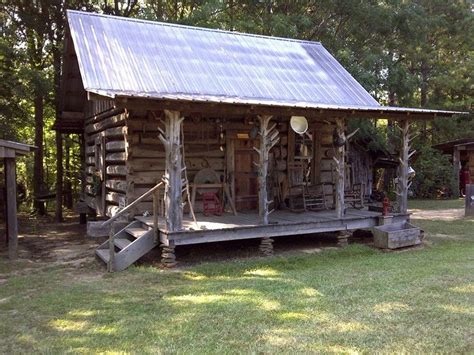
x: 115, y: 157
x: 117, y: 198
x: 115, y: 132
x: 120, y: 170
x: 115, y: 146
x: 114, y: 184
x: 113, y: 121
x: 146, y: 152
x: 146, y: 177
x: 90, y: 160
x: 90, y: 150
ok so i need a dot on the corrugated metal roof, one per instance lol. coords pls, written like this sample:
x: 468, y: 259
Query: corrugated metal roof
x: 128, y: 57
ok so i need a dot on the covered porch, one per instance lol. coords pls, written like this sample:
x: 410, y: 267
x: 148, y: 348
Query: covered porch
x: 247, y: 225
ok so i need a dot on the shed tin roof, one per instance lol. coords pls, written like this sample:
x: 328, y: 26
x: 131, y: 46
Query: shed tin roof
x: 128, y: 57
x: 124, y: 57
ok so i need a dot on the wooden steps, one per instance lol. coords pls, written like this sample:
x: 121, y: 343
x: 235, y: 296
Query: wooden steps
x: 130, y: 244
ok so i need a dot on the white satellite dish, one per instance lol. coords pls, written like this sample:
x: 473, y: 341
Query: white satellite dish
x: 299, y: 124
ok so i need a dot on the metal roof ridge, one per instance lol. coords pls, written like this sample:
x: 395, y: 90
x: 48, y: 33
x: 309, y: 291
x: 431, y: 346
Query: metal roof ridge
x: 170, y: 24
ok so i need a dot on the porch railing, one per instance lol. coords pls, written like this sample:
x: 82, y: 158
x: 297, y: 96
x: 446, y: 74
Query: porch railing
x: 154, y: 191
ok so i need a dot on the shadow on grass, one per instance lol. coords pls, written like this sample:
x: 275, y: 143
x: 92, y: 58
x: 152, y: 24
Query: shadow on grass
x: 350, y: 300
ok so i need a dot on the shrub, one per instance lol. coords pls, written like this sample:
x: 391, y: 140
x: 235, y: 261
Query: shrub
x: 434, y: 175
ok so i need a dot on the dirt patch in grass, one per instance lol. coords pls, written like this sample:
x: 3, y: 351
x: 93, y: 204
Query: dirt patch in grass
x: 43, y: 243
x: 450, y: 214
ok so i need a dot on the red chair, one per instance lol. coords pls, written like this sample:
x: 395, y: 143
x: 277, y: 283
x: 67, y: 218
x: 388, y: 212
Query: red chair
x: 211, y: 204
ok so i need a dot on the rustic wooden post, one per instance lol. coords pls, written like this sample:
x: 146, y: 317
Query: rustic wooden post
x: 404, y: 158
x: 174, y: 165
x: 12, y: 223
x: 268, y: 138
x: 173, y: 168
x: 59, y: 177
x: 339, y: 158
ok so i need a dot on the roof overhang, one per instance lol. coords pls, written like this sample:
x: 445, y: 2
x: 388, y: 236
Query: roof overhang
x: 226, y: 106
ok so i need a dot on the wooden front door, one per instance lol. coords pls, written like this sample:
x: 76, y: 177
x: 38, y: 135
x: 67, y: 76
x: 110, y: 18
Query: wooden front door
x: 245, y: 174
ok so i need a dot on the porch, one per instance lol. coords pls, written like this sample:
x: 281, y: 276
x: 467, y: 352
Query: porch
x: 246, y: 225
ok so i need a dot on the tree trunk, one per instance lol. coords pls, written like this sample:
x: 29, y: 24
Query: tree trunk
x: 424, y: 71
x: 59, y: 177
x: 12, y: 223
x: 55, y: 36
x: 68, y: 201
x: 38, y: 169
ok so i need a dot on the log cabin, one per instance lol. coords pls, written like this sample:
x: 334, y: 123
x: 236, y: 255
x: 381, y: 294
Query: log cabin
x: 194, y: 135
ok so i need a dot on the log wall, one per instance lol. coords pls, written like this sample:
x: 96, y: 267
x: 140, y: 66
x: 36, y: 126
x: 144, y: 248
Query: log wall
x: 134, y: 157
x: 105, y: 146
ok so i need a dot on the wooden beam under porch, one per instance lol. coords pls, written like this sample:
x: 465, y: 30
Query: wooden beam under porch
x: 281, y: 223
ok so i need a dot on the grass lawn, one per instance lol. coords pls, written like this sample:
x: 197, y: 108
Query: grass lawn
x: 355, y: 299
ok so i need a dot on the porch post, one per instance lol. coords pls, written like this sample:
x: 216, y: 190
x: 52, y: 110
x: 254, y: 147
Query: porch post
x: 339, y: 158
x: 173, y: 167
x: 12, y: 223
x: 404, y: 157
x: 268, y: 138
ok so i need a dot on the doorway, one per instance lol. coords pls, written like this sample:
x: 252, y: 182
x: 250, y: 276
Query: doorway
x: 245, y: 174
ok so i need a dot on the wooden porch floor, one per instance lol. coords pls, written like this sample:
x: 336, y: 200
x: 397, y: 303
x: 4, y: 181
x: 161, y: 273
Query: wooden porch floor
x: 282, y: 223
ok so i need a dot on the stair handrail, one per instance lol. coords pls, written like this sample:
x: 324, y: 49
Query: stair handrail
x: 110, y: 265
x: 133, y: 204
